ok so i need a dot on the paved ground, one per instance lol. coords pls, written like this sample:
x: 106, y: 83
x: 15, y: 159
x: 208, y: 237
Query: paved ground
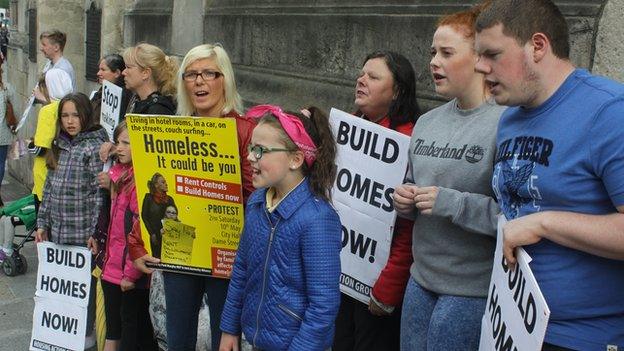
x: 16, y: 293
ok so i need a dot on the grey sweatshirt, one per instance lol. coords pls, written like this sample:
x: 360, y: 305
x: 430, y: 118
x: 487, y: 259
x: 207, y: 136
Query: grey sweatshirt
x: 454, y: 150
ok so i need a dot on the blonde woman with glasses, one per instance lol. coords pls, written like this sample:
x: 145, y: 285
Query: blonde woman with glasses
x: 206, y: 88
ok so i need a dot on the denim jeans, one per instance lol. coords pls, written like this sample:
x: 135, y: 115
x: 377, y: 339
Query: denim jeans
x: 432, y: 321
x: 183, y: 296
x: 3, y: 156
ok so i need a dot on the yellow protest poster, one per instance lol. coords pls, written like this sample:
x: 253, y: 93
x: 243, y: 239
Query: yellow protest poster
x: 188, y: 179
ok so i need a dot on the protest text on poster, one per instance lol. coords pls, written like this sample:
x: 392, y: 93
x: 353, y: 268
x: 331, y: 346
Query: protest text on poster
x: 196, y: 162
x: 516, y: 313
x: 61, y: 298
x: 371, y: 161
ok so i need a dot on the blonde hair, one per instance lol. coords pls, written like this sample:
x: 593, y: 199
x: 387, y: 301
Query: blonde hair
x: 164, y: 68
x: 233, y: 101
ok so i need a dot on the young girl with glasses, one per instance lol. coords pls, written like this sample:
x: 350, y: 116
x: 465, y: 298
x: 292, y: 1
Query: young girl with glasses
x: 284, y: 291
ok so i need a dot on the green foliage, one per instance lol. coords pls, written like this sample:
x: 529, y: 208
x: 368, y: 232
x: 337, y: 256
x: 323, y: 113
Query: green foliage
x: 4, y: 4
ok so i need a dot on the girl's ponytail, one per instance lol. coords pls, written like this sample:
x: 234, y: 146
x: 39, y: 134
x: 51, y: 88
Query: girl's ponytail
x: 323, y: 172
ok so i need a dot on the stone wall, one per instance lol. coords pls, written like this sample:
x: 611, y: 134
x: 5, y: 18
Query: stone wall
x: 149, y: 21
x: 297, y: 53
x: 289, y: 52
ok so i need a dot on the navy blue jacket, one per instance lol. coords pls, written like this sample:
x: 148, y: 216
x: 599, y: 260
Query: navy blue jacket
x: 284, y: 293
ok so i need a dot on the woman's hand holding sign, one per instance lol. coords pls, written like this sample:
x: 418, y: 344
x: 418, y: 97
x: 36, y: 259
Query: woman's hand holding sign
x: 140, y: 263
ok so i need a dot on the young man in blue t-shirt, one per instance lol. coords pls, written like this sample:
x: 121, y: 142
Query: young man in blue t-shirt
x: 559, y: 170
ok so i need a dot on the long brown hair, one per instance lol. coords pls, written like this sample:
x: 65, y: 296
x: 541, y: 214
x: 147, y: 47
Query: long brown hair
x: 87, y: 123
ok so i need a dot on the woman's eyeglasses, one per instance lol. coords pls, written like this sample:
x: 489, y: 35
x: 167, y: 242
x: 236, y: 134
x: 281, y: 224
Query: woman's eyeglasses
x: 257, y: 150
x: 206, y: 75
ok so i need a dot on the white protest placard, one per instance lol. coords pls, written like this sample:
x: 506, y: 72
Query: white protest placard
x: 58, y: 326
x: 111, y: 107
x: 516, y: 314
x: 371, y: 161
x: 64, y: 273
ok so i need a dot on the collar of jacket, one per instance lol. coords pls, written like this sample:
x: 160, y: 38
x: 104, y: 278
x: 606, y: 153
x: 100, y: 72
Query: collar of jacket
x: 290, y: 204
x: 97, y: 132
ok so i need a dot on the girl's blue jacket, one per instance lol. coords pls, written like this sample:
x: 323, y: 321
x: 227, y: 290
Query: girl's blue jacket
x: 284, y: 293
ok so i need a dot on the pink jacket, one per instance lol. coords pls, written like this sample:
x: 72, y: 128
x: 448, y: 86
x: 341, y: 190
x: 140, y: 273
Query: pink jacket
x: 124, y: 212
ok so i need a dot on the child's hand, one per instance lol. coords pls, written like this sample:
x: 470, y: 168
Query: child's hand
x: 92, y: 245
x: 126, y: 284
x: 106, y: 150
x: 103, y: 180
x: 41, y: 235
x: 139, y: 263
x: 229, y: 342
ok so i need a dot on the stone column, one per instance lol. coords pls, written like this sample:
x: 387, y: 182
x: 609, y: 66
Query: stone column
x: 187, y: 23
x: 609, y: 50
x: 112, y: 26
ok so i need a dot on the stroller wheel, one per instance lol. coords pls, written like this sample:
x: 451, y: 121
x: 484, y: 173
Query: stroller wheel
x: 22, y: 266
x: 8, y: 266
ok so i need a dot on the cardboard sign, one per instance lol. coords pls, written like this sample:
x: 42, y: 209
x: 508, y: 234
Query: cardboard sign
x: 64, y: 273
x: 371, y: 161
x: 196, y: 162
x: 110, y: 111
x: 177, y: 242
x: 58, y: 326
x: 516, y: 314
x: 61, y: 298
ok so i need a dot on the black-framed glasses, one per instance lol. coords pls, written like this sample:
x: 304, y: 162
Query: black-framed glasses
x: 257, y: 150
x: 206, y: 75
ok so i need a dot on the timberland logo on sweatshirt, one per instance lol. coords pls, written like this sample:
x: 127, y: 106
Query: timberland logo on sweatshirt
x: 473, y: 154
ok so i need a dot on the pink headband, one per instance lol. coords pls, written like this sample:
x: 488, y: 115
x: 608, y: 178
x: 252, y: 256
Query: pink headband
x: 293, y: 128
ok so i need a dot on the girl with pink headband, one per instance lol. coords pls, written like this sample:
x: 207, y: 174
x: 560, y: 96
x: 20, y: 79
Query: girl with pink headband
x: 284, y: 290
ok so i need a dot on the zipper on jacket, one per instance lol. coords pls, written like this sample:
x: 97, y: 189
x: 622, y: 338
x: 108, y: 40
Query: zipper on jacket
x: 266, y: 263
x: 289, y: 312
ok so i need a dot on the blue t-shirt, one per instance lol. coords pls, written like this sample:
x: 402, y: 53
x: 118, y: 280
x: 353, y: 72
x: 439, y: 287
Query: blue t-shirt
x: 568, y: 155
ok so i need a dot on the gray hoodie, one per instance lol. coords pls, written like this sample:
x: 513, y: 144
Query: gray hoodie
x: 454, y: 150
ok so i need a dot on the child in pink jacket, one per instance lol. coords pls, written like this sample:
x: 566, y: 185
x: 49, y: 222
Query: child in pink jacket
x: 126, y: 289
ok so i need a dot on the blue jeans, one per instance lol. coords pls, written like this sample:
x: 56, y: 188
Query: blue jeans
x: 432, y: 321
x: 3, y: 156
x: 183, y: 296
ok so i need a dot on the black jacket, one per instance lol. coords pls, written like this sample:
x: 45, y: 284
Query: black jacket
x: 154, y: 104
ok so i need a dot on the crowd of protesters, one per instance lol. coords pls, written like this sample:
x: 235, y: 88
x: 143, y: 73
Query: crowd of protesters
x: 550, y: 159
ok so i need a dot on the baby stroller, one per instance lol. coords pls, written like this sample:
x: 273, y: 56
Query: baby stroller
x: 20, y: 212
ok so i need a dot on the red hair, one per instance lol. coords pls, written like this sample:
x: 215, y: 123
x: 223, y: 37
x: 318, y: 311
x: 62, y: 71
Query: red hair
x: 463, y: 21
